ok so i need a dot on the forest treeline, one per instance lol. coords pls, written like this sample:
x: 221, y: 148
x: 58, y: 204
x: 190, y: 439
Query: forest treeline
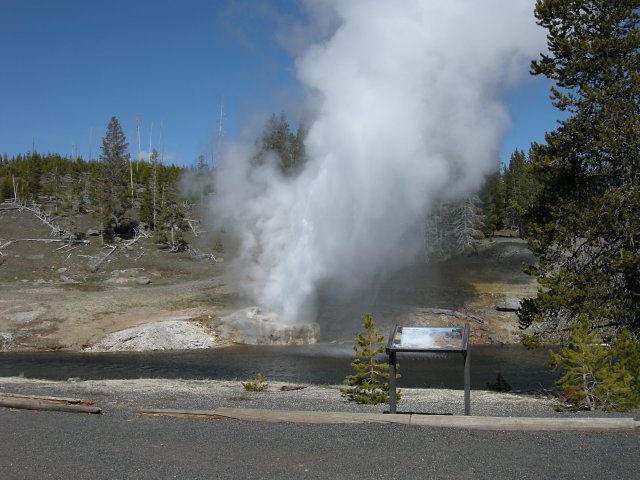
x: 497, y: 208
x: 65, y: 187
x: 68, y: 186
x: 122, y: 192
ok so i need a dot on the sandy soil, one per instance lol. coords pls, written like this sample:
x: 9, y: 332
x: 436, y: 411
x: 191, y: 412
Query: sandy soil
x: 51, y: 297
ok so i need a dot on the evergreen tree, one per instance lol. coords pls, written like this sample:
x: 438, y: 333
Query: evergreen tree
x: 520, y: 188
x: 146, y: 206
x: 154, y: 189
x: 7, y: 188
x: 585, y: 224
x: 492, y: 196
x: 278, y: 139
x: 626, y: 352
x: 370, y: 382
x: 596, y: 376
x: 114, y: 157
x: 174, y: 225
x: 98, y: 198
x: 31, y: 182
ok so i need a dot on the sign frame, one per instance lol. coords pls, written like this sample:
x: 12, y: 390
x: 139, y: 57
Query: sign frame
x: 411, y: 339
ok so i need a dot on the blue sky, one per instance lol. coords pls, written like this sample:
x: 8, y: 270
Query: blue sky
x: 69, y: 65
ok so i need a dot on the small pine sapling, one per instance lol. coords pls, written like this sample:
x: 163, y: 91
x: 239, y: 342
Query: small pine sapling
x: 258, y: 385
x: 370, y: 382
x: 582, y: 364
x: 500, y: 385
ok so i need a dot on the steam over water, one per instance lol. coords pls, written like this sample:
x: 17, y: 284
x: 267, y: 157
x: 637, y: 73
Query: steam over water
x: 405, y: 96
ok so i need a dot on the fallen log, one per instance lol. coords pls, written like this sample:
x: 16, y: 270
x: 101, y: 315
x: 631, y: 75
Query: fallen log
x: 291, y: 388
x: 70, y: 401
x: 191, y: 414
x: 101, y: 258
x: 29, y: 404
x: 48, y: 240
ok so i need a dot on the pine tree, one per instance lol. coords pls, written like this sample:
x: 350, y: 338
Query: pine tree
x: 370, y: 383
x: 154, y: 189
x: 492, y: 196
x: 114, y: 157
x: 31, y: 180
x: 520, y: 188
x: 173, y: 222
x: 585, y: 224
x: 626, y: 354
x: 7, y: 188
x: 98, y: 198
x: 146, y: 206
x: 278, y: 139
x: 596, y: 376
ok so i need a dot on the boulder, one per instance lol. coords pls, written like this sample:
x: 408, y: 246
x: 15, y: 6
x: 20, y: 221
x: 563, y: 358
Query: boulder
x: 92, y: 232
x: 257, y: 326
x: 508, y: 304
x: 143, y: 280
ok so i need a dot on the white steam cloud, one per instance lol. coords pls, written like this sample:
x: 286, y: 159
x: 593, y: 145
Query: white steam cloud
x: 407, y: 112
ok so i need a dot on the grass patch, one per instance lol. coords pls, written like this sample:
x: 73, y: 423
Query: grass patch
x: 85, y: 287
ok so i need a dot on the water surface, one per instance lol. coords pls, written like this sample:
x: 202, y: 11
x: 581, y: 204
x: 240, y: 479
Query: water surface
x: 320, y: 364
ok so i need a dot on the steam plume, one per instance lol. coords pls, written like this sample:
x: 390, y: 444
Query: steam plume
x: 405, y: 96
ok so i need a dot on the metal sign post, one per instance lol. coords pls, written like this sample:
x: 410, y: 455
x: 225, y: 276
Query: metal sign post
x: 425, y: 340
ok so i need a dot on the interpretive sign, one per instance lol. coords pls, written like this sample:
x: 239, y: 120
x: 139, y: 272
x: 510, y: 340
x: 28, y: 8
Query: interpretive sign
x: 425, y: 340
x: 421, y: 338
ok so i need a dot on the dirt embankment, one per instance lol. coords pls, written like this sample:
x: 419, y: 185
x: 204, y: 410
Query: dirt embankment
x: 52, y: 298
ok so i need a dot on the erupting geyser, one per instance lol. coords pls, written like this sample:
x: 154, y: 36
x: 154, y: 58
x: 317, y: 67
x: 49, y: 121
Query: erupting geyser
x: 256, y: 326
x: 406, y: 106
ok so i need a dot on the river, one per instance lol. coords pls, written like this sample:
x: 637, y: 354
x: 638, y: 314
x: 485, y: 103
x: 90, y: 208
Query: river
x: 319, y: 364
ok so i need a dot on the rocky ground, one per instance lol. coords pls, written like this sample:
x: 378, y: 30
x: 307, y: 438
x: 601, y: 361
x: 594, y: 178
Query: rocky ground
x: 142, y: 297
x: 208, y: 394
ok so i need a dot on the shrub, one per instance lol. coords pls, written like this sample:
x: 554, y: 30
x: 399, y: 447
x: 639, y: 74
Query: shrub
x: 258, y: 385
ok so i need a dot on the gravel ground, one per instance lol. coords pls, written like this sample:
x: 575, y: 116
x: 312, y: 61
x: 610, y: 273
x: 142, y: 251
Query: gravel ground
x: 210, y: 394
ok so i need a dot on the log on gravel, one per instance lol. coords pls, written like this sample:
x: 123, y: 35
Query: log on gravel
x: 54, y: 406
x: 67, y: 400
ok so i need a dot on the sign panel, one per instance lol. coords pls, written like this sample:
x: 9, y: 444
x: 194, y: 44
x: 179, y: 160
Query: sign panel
x: 428, y: 339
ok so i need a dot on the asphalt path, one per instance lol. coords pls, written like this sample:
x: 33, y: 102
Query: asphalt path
x: 124, y: 445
